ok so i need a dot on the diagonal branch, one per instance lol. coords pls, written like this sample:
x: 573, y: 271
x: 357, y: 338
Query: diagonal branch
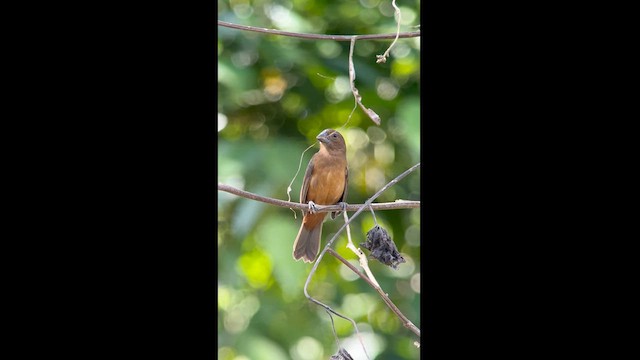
x: 405, y: 321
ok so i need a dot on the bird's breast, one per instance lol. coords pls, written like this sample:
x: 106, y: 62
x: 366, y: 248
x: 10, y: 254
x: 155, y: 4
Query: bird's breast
x: 327, y: 184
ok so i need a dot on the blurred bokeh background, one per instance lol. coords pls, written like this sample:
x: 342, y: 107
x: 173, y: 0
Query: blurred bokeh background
x: 275, y: 94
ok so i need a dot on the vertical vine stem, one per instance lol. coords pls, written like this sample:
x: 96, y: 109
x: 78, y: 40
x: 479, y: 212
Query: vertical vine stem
x: 383, y: 58
x: 361, y: 255
x: 356, y: 95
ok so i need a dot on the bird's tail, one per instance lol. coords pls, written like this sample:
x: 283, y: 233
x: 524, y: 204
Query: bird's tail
x: 307, y: 243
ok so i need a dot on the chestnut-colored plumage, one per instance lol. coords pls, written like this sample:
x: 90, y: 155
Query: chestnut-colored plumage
x: 325, y: 183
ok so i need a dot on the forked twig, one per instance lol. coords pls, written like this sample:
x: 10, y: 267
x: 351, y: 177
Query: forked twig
x: 335, y: 236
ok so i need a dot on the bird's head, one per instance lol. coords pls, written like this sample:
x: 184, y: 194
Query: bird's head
x: 332, y: 140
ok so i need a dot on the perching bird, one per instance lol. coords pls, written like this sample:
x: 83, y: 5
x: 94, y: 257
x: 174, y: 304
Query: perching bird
x: 325, y: 183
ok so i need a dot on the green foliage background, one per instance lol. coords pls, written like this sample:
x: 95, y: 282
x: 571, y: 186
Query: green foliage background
x: 275, y: 94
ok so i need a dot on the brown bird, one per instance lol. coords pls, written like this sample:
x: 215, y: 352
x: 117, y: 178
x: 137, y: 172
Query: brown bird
x: 325, y: 183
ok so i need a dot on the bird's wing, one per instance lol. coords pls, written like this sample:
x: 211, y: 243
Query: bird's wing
x: 346, y: 183
x: 305, y: 183
x: 344, y: 193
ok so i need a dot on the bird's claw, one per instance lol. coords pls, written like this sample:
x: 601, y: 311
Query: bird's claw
x: 312, y: 207
x: 343, y: 204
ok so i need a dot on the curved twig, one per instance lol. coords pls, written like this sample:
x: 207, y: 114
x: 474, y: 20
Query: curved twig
x: 383, y: 58
x: 356, y: 95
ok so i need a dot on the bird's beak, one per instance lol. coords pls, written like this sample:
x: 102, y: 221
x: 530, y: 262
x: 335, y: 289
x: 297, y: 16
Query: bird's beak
x: 322, y: 137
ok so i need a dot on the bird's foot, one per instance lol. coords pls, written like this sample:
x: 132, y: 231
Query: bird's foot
x: 343, y: 204
x: 312, y: 207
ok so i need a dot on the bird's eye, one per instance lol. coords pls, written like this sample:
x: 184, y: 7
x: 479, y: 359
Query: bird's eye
x: 334, y: 135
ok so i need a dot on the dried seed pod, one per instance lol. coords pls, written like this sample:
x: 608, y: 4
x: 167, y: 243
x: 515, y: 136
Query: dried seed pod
x: 382, y: 247
x: 341, y: 355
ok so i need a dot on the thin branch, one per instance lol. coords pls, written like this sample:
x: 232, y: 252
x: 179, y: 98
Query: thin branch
x: 385, y: 297
x: 333, y: 327
x: 398, y: 204
x: 411, y: 34
x: 331, y: 311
